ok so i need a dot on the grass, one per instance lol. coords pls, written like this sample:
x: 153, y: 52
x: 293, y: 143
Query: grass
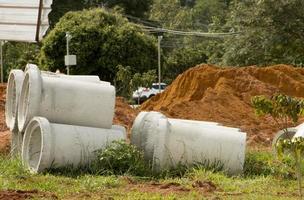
x: 264, y: 178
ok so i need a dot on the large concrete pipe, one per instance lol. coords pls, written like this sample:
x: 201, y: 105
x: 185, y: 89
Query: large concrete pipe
x: 65, y: 101
x: 13, y: 89
x: 49, y: 145
x: 168, y: 142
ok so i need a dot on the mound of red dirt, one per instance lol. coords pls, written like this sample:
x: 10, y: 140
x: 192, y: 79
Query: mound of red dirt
x: 4, y: 133
x: 224, y: 95
x: 124, y: 114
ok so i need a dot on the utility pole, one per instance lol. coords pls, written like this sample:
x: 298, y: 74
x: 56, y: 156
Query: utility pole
x: 1, y: 57
x: 159, y: 65
x: 68, y: 38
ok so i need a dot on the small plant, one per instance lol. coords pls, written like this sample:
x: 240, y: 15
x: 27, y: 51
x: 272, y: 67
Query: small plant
x: 284, y: 109
x: 295, y: 147
x: 259, y: 163
x: 121, y: 158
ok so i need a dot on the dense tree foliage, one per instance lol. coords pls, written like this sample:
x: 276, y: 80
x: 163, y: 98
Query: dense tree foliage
x: 270, y: 33
x: 17, y: 54
x: 137, y: 8
x: 101, y: 42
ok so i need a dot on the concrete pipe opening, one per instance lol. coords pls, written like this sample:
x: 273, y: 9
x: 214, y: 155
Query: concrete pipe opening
x: 12, y: 95
x: 36, y: 146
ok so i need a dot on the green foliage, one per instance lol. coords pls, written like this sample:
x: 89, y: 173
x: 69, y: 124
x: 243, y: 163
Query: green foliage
x: 121, y: 158
x: 60, y: 7
x: 179, y: 60
x: 295, y: 147
x: 101, y: 42
x: 126, y: 82
x: 258, y: 163
x: 137, y: 8
x: 17, y: 54
x: 270, y: 33
x: 280, y: 107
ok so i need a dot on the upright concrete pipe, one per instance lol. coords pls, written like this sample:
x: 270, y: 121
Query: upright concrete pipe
x: 49, y: 145
x: 167, y: 142
x: 65, y: 101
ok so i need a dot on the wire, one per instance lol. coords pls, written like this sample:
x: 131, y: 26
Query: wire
x: 186, y: 33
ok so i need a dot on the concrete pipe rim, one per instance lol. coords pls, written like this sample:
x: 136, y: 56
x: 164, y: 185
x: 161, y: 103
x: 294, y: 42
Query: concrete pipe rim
x: 37, y: 145
x: 29, y: 100
x: 135, y: 130
x: 15, y: 80
x: 281, y: 134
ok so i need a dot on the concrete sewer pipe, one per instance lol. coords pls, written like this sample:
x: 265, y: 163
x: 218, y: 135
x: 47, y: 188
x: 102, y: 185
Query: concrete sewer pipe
x: 167, y: 142
x: 13, y: 91
x: 49, y: 145
x: 65, y: 101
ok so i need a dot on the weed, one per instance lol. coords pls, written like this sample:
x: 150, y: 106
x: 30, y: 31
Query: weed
x: 120, y: 158
x: 264, y: 164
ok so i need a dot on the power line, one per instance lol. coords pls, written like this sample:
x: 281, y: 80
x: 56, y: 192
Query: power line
x: 186, y: 33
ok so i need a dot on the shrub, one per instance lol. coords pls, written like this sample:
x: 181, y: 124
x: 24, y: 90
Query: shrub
x: 101, y: 41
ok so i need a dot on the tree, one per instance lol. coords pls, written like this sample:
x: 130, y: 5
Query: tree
x: 101, y: 41
x: 136, y: 8
x: 126, y: 82
x: 60, y: 7
x: 17, y: 54
x: 179, y: 60
x: 270, y: 33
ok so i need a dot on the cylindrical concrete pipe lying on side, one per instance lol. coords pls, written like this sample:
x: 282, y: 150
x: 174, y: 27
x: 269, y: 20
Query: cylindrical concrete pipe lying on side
x: 65, y: 101
x: 49, y: 145
x: 13, y: 91
x: 167, y: 142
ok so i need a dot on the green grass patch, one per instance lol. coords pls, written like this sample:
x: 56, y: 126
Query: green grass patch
x: 263, y: 179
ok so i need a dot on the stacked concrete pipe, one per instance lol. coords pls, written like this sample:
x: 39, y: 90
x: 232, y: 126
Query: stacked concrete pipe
x: 64, y: 112
x: 168, y: 142
x: 13, y: 91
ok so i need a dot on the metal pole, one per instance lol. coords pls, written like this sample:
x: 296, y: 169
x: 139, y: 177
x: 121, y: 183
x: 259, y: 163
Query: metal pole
x: 159, y: 65
x: 68, y: 50
x: 1, y: 52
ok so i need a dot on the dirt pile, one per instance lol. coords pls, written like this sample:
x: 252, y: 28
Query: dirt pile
x: 224, y: 95
x: 124, y: 114
x: 4, y: 133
